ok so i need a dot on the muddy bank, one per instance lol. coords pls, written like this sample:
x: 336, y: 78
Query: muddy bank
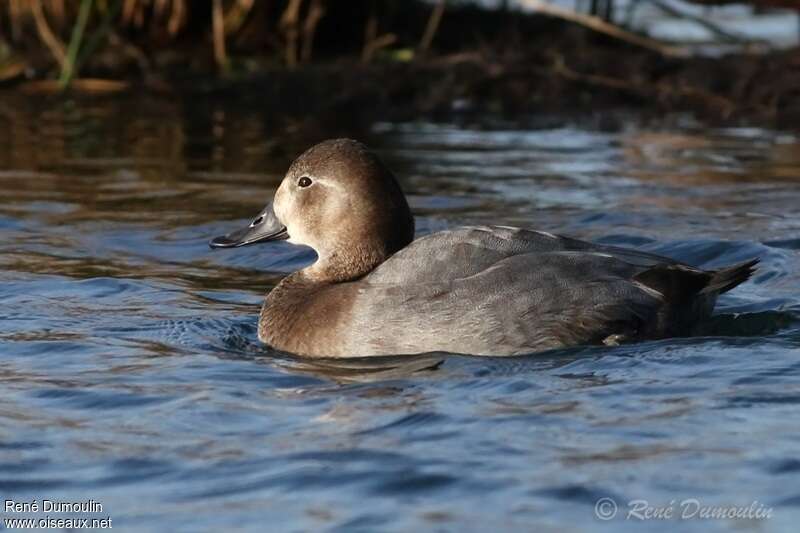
x: 576, y: 74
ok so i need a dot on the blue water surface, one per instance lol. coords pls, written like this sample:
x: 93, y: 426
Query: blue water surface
x: 131, y: 374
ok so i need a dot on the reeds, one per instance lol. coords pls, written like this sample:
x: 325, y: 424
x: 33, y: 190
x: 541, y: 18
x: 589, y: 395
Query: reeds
x: 68, y: 66
x: 56, y: 16
x: 71, y: 31
x: 162, y: 21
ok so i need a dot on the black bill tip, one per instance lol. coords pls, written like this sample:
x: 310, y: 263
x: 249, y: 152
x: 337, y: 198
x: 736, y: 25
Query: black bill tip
x: 223, y: 241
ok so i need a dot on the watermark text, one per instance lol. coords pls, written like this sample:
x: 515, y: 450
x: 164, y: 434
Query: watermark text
x: 686, y: 509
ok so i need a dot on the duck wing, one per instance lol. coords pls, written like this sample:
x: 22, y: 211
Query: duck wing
x: 504, y: 291
x: 463, y: 252
x: 524, y: 303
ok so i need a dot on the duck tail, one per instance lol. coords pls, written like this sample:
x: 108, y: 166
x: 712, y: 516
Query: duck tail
x: 725, y: 279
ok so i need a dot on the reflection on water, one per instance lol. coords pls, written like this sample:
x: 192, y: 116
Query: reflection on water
x: 131, y: 372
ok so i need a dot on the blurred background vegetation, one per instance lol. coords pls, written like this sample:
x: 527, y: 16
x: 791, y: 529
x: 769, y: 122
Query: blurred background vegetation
x: 506, y: 53
x: 137, y: 37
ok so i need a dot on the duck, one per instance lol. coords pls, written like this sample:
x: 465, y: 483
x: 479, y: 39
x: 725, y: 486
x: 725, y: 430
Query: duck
x: 375, y: 290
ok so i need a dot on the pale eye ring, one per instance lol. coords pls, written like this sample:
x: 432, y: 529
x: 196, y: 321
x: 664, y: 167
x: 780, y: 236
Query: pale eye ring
x: 304, y: 182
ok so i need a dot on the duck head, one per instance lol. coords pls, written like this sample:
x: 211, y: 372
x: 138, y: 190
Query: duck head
x: 339, y: 199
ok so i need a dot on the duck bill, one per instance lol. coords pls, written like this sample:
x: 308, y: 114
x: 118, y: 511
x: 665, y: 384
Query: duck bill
x: 265, y: 227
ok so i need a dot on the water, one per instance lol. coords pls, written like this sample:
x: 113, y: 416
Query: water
x: 131, y: 374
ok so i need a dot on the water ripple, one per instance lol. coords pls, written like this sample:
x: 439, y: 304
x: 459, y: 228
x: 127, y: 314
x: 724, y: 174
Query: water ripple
x: 132, y: 373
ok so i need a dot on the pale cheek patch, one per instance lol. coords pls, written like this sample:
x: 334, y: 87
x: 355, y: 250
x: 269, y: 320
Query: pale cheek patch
x: 279, y: 205
x: 297, y: 234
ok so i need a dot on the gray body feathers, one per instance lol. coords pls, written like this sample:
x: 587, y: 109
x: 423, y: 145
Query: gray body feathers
x: 494, y: 291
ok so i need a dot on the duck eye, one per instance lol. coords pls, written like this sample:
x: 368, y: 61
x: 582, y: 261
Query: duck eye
x: 305, y: 181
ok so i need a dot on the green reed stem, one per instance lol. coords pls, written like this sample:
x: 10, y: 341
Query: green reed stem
x: 68, y: 70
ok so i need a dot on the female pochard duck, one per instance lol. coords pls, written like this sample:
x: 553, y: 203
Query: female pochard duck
x: 491, y: 290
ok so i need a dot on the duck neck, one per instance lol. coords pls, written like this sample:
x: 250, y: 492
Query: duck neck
x: 346, y: 264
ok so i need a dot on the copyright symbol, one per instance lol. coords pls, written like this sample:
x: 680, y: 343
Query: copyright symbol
x: 605, y: 509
